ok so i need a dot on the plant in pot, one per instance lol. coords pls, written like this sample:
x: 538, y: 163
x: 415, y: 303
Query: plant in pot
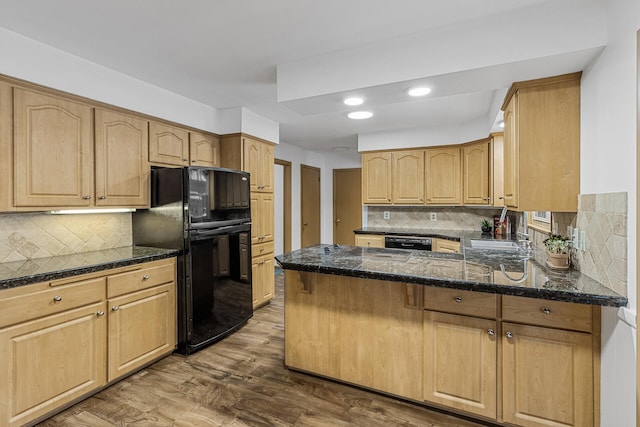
x: 485, y: 226
x: 557, y: 251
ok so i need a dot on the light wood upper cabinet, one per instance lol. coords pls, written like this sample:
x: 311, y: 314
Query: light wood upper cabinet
x: 168, y: 145
x: 542, y: 144
x: 460, y: 362
x: 259, y: 162
x: 262, y: 224
x: 476, y: 173
x: 376, y: 178
x: 53, y: 151
x: 443, y: 176
x: 204, y: 149
x: 407, y: 177
x: 121, y: 169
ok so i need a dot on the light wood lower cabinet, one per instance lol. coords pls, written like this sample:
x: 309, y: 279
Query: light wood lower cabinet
x: 63, y: 340
x: 51, y: 361
x: 444, y: 245
x: 371, y: 241
x: 512, y: 360
x: 460, y: 362
x: 263, y: 279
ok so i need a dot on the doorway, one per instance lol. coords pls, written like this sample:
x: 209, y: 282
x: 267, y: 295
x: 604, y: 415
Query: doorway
x: 309, y: 206
x: 347, y: 205
x: 282, y: 206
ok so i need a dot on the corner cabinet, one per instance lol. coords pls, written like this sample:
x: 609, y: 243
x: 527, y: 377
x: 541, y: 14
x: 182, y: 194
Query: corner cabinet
x: 542, y: 144
x: 59, y: 340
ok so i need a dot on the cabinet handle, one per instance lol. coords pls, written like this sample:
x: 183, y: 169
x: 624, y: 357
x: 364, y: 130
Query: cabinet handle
x: 491, y: 332
x: 546, y: 310
x: 115, y: 308
x: 145, y: 277
x: 193, y: 161
x: 86, y: 197
x: 100, y: 313
x: 509, y: 335
x: 501, y: 197
x: 487, y: 198
x: 185, y: 160
x: 458, y: 299
x: 102, y: 197
x: 57, y: 299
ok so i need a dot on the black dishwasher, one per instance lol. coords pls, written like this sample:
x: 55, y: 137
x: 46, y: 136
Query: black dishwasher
x: 407, y: 242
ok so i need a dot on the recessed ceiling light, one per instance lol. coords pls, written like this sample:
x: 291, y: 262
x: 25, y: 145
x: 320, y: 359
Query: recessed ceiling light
x: 360, y: 115
x: 353, y: 101
x: 419, y: 91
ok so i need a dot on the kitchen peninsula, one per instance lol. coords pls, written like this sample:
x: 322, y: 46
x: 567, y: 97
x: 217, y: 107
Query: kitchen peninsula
x: 488, y: 333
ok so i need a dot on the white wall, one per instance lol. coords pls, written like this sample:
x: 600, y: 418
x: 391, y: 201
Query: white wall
x: 326, y: 163
x: 608, y: 164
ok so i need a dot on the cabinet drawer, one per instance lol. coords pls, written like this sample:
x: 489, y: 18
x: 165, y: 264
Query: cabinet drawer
x: 43, y: 302
x: 143, y: 278
x: 262, y: 249
x: 469, y: 303
x: 555, y: 314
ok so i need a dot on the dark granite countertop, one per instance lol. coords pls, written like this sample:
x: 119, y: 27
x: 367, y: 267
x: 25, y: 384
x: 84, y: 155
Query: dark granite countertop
x: 20, y: 273
x: 481, y: 270
x: 455, y: 235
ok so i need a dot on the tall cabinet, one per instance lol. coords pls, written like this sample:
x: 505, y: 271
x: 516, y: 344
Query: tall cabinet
x: 256, y: 156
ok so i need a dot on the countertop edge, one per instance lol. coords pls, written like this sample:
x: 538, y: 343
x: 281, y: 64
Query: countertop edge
x: 554, y: 295
x: 90, y: 268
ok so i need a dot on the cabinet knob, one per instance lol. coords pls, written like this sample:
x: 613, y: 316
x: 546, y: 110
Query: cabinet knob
x: 86, y: 197
x: 145, y: 277
x: 193, y: 161
x: 100, y: 313
x: 115, y: 308
x: 337, y: 220
x: 458, y: 299
x: 185, y: 160
x: 546, y: 310
x: 57, y: 299
x: 501, y: 197
x: 509, y: 335
x: 487, y: 198
x: 491, y: 332
x: 102, y: 197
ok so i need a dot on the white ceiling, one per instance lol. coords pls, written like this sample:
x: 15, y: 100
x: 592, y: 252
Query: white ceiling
x: 310, y: 54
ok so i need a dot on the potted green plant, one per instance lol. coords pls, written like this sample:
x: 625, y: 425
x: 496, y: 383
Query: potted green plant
x: 485, y: 226
x: 557, y: 251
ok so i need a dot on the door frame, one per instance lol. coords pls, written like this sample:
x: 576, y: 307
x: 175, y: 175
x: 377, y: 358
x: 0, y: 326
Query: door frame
x: 286, y: 196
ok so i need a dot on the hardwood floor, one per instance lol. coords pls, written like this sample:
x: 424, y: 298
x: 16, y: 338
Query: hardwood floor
x: 242, y: 381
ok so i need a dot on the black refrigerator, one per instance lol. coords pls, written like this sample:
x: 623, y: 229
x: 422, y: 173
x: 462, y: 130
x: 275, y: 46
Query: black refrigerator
x: 206, y: 214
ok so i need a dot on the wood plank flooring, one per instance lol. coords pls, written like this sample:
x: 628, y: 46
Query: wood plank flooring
x: 242, y: 381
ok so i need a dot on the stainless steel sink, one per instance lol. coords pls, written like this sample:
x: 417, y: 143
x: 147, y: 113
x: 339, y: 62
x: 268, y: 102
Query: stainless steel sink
x: 508, y: 245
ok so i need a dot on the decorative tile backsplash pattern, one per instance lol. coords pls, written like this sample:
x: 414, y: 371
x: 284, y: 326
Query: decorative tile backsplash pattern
x: 603, y: 218
x: 449, y: 218
x: 39, y: 235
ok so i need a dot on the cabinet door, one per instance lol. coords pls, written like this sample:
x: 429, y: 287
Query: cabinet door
x: 370, y: 241
x: 475, y: 159
x: 142, y: 327
x: 510, y: 147
x: 122, y: 172
x: 443, y: 179
x: 263, y: 279
x: 53, y: 151
x: 168, y: 145
x: 547, y: 377
x: 443, y: 245
x: 408, y: 177
x: 460, y: 362
x: 51, y: 361
x: 267, y: 166
x: 251, y: 162
x: 262, y: 222
x: 376, y: 178
x: 204, y: 150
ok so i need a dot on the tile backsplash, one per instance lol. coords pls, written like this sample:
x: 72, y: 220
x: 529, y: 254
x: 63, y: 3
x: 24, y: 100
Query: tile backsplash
x: 39, y: 235
x: 448, y: 218
x: 603, y: 218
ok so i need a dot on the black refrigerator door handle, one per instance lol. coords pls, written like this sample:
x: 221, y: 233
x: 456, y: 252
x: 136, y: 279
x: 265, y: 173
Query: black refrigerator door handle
x: 205, y: 234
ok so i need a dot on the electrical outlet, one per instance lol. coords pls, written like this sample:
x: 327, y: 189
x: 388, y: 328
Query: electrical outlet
x: 385, y: 214
x: 583, y: 241
x: 433, y: 216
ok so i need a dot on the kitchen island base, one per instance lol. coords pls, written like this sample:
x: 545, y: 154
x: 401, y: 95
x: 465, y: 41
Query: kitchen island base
x: 505, y: 363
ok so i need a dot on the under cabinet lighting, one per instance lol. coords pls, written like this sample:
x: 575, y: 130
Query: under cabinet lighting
x: 90, y: 211
x: 501, y: 123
